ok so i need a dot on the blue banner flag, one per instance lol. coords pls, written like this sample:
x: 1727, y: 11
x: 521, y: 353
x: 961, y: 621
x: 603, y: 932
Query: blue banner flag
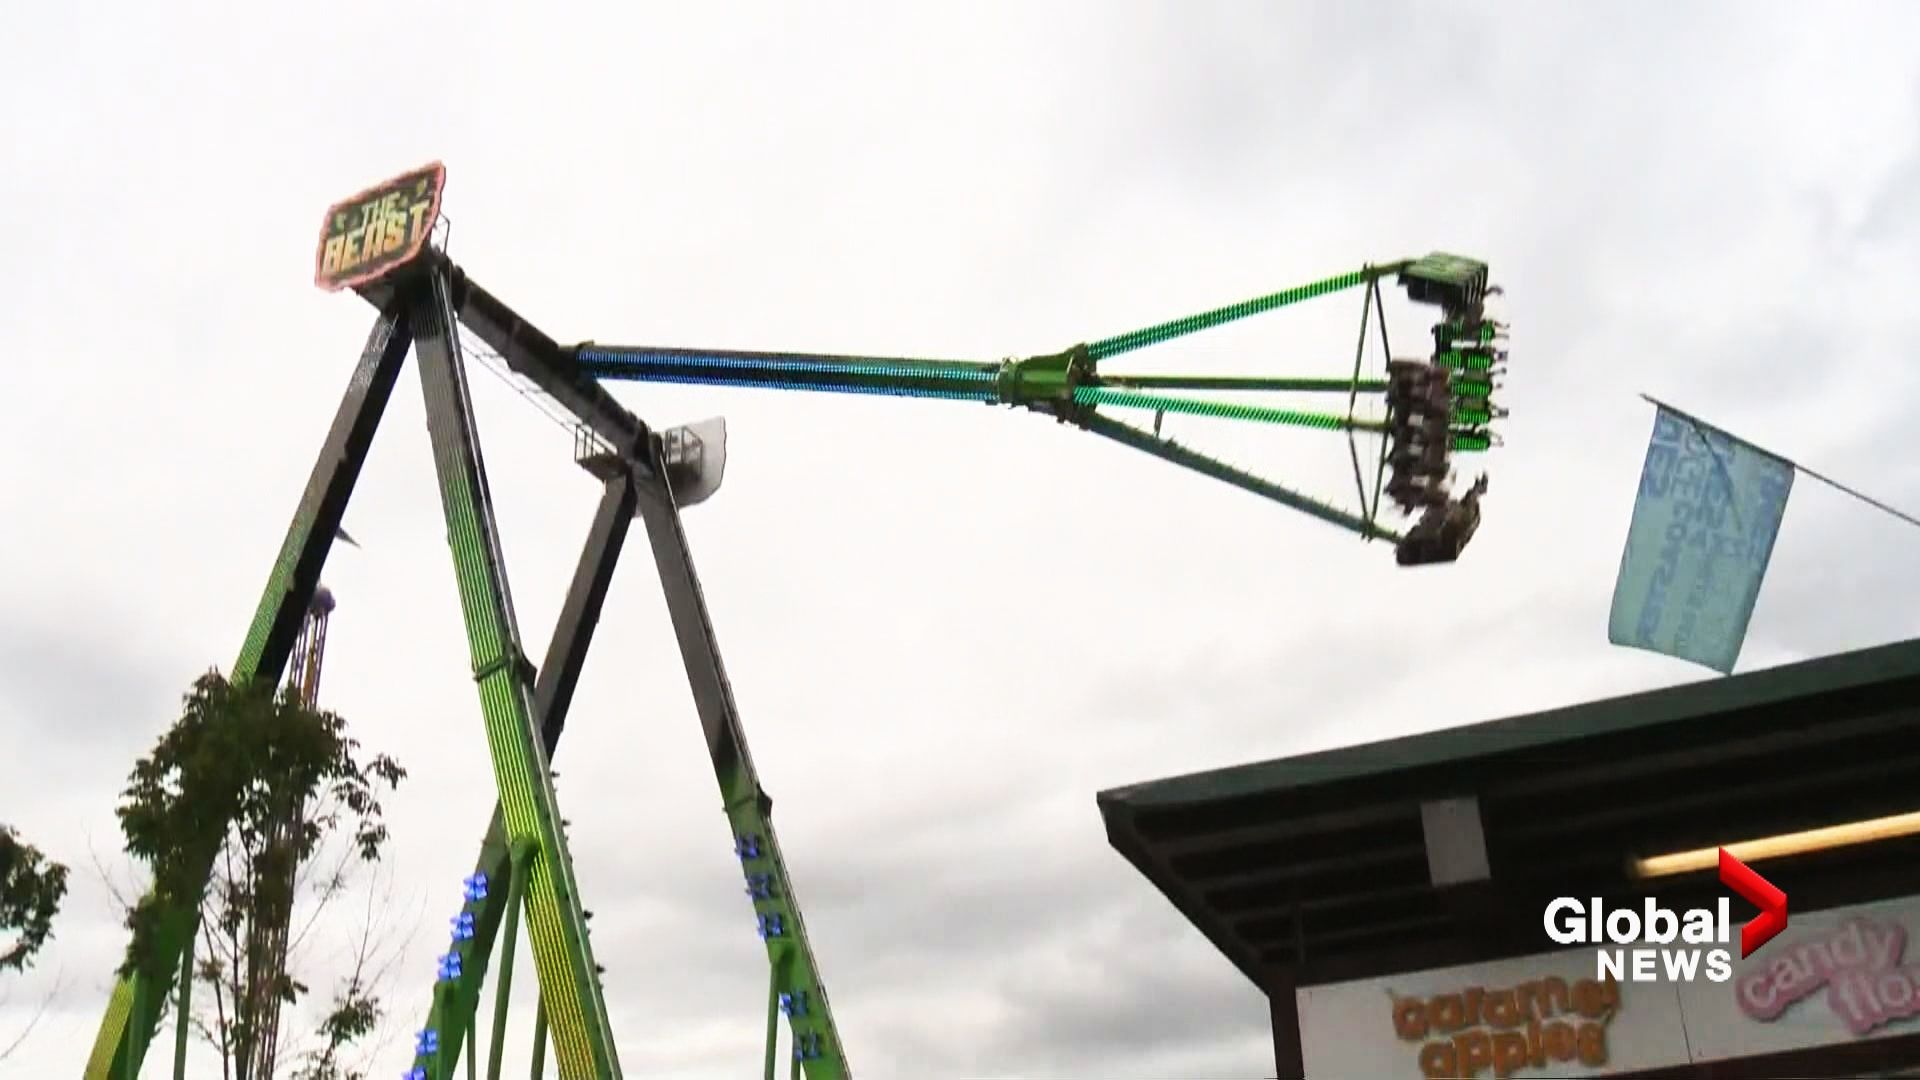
x: 1703, y: 529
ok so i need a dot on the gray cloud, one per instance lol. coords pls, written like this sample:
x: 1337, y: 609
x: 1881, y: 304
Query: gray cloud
x: 70, y: 684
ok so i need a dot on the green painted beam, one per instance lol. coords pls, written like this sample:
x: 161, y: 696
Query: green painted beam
x: 776, y: 909
x: 133, y: 1010
x: 451, y: 1015
x: 582, y: 1040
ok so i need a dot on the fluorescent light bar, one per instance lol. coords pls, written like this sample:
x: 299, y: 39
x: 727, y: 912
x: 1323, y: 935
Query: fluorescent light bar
x: 1774, y: 847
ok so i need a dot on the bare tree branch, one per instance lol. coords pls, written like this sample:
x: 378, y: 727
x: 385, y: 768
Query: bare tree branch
x: 45, y: 1003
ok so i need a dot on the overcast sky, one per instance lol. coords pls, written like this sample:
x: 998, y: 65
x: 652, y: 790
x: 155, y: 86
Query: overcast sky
x: 947, y: 626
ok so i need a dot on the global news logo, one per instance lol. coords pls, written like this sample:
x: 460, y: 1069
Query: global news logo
x: 1657, y: 944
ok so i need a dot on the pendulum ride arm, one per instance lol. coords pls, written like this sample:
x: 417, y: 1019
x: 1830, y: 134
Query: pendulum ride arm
x: 569, y: 986
x: 438, y: 1047
x: 138, y: 997
x: 1067, y: 386
x: 797, y: 990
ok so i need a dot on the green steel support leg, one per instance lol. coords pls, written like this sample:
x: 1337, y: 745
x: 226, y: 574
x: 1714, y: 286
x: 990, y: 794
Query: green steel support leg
x: 773, y: 1022
x: 133, y: 1012
x: 509, y: 941
x: 582, y: 1041
x: 453, y: 1012
x: 471, y: 1055
x: 136, y: 1042
x: 540, y: 1040
x: 748, y: 807
x: 183, y: 1009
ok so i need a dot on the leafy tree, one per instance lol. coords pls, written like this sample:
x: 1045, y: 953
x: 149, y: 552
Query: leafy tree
x: 257, y: 782
x: 31, y: 889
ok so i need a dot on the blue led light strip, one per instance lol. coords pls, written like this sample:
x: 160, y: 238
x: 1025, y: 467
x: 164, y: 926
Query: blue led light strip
x: 613, y: 363
x: 985, y: 394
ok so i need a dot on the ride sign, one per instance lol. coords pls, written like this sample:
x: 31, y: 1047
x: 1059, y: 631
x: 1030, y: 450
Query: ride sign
x: 379, y: 230
x: 1644, y: 945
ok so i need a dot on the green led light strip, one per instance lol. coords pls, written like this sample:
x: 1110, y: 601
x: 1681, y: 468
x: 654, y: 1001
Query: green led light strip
x: 1466, y: 359
x: 1206, y: 320
x: 556, y: 929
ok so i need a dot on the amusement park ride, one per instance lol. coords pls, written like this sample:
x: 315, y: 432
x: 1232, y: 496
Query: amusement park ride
x: 380, y: 244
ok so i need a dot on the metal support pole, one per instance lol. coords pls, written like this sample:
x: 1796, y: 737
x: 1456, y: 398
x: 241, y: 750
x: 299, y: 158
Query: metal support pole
x: 136, y: 1048
x: 1360, y: 348
x: 748, y: 808
x: 1386, y: 444
x: 540, y: 1039
x: 452, y: 1014
x: 183, y: 1006
x: 773, y: 1022
x: 523, y: 855
x: 583, y: 1043
x: 1353, y: 396
x: 1200, y: 463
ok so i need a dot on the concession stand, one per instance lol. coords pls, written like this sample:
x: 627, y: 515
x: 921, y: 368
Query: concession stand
x: 1389, y: 898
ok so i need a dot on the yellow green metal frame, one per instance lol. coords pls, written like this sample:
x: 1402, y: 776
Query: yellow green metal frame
x: 524, y: 866
x: 577, y: 1020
